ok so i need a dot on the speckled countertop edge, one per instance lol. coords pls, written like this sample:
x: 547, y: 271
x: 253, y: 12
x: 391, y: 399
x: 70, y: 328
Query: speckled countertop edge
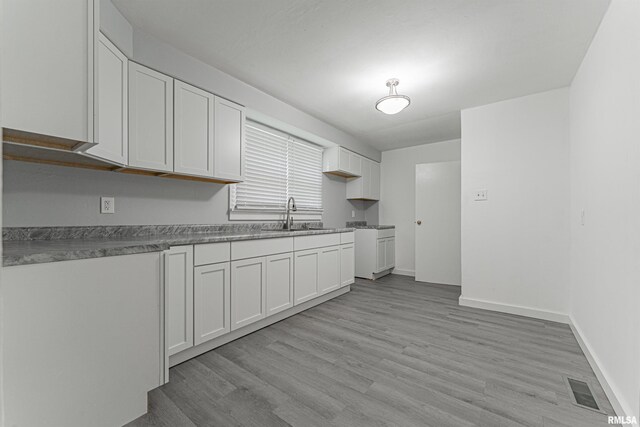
x: 25, y: 252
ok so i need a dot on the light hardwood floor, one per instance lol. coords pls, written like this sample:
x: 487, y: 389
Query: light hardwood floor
x: 390, y: 353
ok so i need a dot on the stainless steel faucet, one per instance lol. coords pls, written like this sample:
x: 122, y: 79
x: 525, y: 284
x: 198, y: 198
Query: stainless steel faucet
x: 288, y: 225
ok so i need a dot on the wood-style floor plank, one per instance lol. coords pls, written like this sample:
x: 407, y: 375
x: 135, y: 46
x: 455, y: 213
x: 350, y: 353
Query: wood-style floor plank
x: 393, y: 352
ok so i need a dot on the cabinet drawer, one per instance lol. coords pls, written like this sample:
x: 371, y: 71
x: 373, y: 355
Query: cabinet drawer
x: 347, y: 237
x: 302, y: 243
x: 262, y: 247
x: 211, y: 253
x: 388, y: 232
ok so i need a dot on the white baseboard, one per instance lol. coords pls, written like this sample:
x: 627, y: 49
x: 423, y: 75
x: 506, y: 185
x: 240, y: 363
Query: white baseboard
x: 402, y: 272
x: 600, y: 374
x: 515, y: 309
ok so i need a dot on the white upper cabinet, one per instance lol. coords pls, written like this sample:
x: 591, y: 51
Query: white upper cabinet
x: 150, y: 119
x: 193, y: 130
x: 48, y: 75
x: 342, y: 162
x: 229, y: 141
x: 367, y: 187
x: 111, y: 126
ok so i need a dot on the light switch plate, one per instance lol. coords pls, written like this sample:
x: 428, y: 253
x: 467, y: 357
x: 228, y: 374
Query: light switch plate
x: 107, y: 205
x: 353, y: 214
x: 481, y: 195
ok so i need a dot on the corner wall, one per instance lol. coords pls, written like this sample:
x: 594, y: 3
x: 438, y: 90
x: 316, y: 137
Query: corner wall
x: 605, y: 183
x: 397, y: 193
x: 515, y: 245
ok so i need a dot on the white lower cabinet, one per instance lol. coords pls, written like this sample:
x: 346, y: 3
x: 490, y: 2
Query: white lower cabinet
x: 211, y: 301
x: 347, y: 264
x: 305, y: 282
x: 390, y: 252
x: 329, y: 269
x: 279, y: 283
x: 178, y: 270
x: 381, y: 255
x: 248, y: 280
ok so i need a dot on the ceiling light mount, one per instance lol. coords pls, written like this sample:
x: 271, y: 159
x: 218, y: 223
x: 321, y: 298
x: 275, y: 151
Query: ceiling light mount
x: 393, y: 103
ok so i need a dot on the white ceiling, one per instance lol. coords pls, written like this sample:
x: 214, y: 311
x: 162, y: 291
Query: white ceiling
x: 331, y: 58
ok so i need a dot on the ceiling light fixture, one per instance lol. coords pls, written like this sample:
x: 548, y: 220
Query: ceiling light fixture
x: 392, y: 103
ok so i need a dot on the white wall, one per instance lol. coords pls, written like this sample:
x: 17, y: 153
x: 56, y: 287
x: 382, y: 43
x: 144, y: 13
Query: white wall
x: 41, y: 195
x: 605, y: 182
x: 515, y: 245
x: 397, y: 193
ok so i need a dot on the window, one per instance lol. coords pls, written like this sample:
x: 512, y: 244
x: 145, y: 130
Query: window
x: 277, y: 166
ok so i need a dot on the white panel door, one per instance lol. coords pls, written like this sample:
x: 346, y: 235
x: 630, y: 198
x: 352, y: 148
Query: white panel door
x: 374, y: 183
x: 150, y: 119
x: 305, y: 282
x: 381, y: 255
x: 329, y: 269
x: 193, y: 130
x: 178, y: 264
x: 111, y: 127
x: 229, y: 140
x: 248, y: 278
x: 390, y: 252
x: 279, y: 283
x: 211, y: 301
x: 437, y: 229
x: 347, y: 264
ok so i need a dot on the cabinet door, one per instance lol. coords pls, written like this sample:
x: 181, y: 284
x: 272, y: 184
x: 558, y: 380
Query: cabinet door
x: 390, y: 252
x: 374, y: 189
x: 150, y: 119
x: 193, y: 130
x: 305, y: 283
x: 381, y: 255
x: 229, y: 140
x: 329, y: 269
x: 344, y: 160
x: 111, y: 127
x: 211, y: 301
x: 355, y: 164
x: 279, y: 283
x: 178, y: 265
x: 347, y: 264
x: 366, y: 179
x: 248, y: 279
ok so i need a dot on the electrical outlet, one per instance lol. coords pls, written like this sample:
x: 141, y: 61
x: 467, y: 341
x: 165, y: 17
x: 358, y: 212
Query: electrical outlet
x: 481, y: 195
x: 107, y: 205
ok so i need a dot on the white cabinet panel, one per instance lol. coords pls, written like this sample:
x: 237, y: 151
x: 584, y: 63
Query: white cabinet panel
x: 248, y: 279
x: 374, y: 185
x: 347, y: 264
x: 211, y: 301
x: 306, y: 272
x: 193, y: 130
x: 211, y: 253
x: 150, y: 119
x: 279, y: 283
x: 390, y: 252
x: 178, y: 264
x: 329, y: 269
x: 381, y: 255
x: 229, y: 140
x: 339, y: 161
x: 111, y: 127
x: 344, y: 160
x: 355, y: 164
x: 367, y: 187
x: 48, y: 67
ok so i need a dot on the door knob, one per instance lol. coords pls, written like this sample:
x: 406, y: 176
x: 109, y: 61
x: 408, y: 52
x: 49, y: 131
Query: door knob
x: 418, y: 222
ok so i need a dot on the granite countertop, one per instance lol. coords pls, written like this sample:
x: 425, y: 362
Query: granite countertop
x: 34, y: 251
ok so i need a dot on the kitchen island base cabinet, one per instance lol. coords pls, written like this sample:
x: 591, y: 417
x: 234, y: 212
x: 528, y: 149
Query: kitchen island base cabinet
x: 82, y: 340
x: 279, y: 283
x: 178, y: 265
x: 375, y: 252
x: 211, y: 301
x: 248, y: 281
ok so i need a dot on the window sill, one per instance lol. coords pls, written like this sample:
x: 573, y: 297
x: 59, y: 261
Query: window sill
x: 248, y: 215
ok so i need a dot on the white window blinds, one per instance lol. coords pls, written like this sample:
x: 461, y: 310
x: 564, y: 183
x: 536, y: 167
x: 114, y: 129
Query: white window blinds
x: 278, y: 166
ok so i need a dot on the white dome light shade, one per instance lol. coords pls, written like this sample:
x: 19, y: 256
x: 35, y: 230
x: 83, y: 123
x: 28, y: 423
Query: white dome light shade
x: 393, y: 103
